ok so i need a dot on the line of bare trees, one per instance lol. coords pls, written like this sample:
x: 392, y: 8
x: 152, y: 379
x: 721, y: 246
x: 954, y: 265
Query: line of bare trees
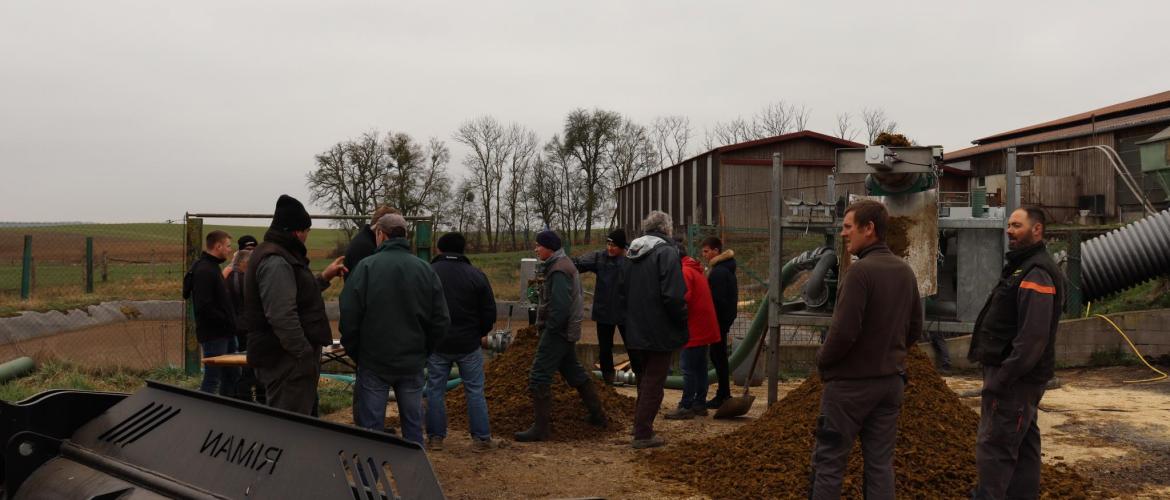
x: 517, y: 184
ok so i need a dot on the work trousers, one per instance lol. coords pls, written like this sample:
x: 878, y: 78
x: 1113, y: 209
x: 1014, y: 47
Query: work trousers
x: 938, y: 344
x: 1008, y: 450
x: 718, y: 353
x: 605, y: 345
x: 291, y: 384
x: 555, y: 353
x: 655, y: 364
x: 868, y: 407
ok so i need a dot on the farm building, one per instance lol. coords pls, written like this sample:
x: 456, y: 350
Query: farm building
x: 1084, y: 180
x: 728, y: 185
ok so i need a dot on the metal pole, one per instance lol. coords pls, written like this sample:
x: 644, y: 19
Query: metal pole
x: 26, y: 269
x: 193, y: 247
x: 1011, y: 201
x: 89, y: 264
x: 1076, y: 296
x: 775, y: 290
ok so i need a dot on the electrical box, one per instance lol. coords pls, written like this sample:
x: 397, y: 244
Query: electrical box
x: 879, y: 157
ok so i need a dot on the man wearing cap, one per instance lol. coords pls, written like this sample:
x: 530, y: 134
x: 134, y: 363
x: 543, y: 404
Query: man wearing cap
x: 609, y: 312
x: 393, y: 313
x: 472, y: 306
x: 558, y: 318
x: 246, y: 242
x: 285, y: 314
x: 364, y: 243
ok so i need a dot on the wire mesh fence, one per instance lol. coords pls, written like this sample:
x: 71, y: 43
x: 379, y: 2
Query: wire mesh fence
x: 109, y: 295
x: 751, y: 247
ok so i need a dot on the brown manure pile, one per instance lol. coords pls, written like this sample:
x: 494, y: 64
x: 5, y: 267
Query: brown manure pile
x: 769, y: 457
x: 510, y: 408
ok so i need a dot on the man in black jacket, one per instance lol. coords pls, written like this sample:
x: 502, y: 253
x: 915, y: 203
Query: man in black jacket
x: 472, y: 307
x: 725, y: 295
x: 215, y: 316
x: 287, y: 323
x: 609, y: 312
x: 363, y: 243
x: 656, y: 291
x: 1015, y: 341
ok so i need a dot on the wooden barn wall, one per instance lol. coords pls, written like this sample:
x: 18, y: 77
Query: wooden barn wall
x: 1125, y: 141
x: 743, y: 201
x: 1085, y: 172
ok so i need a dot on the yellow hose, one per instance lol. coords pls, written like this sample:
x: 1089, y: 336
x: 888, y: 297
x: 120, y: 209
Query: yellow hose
x: 1135, y: 350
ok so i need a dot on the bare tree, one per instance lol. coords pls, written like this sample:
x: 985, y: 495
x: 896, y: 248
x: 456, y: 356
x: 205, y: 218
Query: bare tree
x: 350, y: 178
x: 800, y: 117
x: 588, y: 134
x: 732, y: 132
x: 571, y: 189
x: 773, y: 119
x: 522, y: 144
x: 671, y: 136
x: 543, y: 189
x: 489, y: 151
x: 876, y: 122
x: 631, y: 156
x: 844, y: 126
x: 416, y: 175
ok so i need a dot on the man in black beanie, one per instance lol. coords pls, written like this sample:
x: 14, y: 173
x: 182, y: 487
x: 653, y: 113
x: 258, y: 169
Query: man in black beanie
x: 285, y: 314
x: 609, y: 310
x: 558, y: 318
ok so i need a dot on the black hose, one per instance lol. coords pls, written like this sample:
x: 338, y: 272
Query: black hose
x: 1127, y: 256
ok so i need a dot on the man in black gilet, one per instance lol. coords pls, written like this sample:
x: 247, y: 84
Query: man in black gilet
x: 1014, y: 340
x: 287, y: 324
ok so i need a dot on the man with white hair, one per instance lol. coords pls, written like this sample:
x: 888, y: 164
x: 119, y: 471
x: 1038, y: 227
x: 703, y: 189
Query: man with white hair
x: 655, y: 295
x: 393, y: 313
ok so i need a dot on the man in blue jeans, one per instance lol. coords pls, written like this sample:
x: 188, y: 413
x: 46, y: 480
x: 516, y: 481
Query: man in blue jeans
x: 472, y: 307
x: 215, y: 315
x: 393, y: 313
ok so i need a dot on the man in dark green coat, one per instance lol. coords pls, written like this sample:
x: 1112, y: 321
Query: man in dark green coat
x: 393, y: 312
x: 558, y: 317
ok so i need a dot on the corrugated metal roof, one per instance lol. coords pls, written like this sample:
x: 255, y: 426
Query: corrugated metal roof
x: 1148, y: 117
x: 1107, y: 112
x: 803, y: 134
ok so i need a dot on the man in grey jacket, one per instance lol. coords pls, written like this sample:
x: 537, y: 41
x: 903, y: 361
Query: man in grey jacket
x: 285, y: 315
x: 655, y: 295
x: 558, y: 318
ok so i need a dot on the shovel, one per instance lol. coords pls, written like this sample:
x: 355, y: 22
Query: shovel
x: 736, y: 407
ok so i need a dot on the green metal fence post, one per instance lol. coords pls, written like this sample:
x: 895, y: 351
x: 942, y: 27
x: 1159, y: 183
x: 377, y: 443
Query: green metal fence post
x: 1076, y: 297
x: 26, y: 269
x: 423, y: 234
x: 192, y: 248
x: 89, y: 264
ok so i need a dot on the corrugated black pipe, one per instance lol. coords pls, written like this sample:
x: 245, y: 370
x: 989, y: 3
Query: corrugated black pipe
x: 1127, y: 256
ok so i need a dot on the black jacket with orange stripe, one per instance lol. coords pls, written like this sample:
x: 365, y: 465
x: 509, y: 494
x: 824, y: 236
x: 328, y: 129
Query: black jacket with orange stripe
x: 1016, y: 330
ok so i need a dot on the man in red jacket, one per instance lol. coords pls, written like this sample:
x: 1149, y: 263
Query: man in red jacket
x: 863, y: 359
x: 703, y: 330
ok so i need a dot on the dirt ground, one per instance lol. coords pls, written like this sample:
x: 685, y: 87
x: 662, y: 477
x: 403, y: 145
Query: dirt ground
x: 139, y: 344
x: 1114, y: 433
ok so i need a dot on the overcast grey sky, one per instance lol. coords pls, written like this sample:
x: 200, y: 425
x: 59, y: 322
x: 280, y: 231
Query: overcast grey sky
x: 140, y: 111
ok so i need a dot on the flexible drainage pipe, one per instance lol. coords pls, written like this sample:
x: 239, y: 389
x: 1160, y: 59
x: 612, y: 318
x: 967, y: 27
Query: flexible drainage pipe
x: 1127, y: 256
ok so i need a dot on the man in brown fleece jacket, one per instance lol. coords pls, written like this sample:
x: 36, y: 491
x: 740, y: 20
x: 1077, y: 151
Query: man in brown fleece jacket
x: 863, y: 360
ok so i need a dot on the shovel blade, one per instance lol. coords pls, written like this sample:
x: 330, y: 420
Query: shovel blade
x: 735, y: 407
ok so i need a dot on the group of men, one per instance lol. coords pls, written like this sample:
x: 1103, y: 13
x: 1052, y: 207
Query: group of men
x: 400, y: 315
x: 879, y: 313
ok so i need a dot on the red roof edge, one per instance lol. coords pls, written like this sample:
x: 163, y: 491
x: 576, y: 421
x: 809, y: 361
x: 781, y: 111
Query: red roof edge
x: 803, y: 134
x: 957, y: 171
x: 1161, y: 99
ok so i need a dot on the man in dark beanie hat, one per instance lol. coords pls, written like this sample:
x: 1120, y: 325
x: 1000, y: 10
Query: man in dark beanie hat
x: 285, y: 315
x: 609, y: 310
x: 558, y: 318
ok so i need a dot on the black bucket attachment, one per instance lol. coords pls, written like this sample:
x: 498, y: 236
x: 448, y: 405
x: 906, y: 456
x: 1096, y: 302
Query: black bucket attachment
x: 169, y: 442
